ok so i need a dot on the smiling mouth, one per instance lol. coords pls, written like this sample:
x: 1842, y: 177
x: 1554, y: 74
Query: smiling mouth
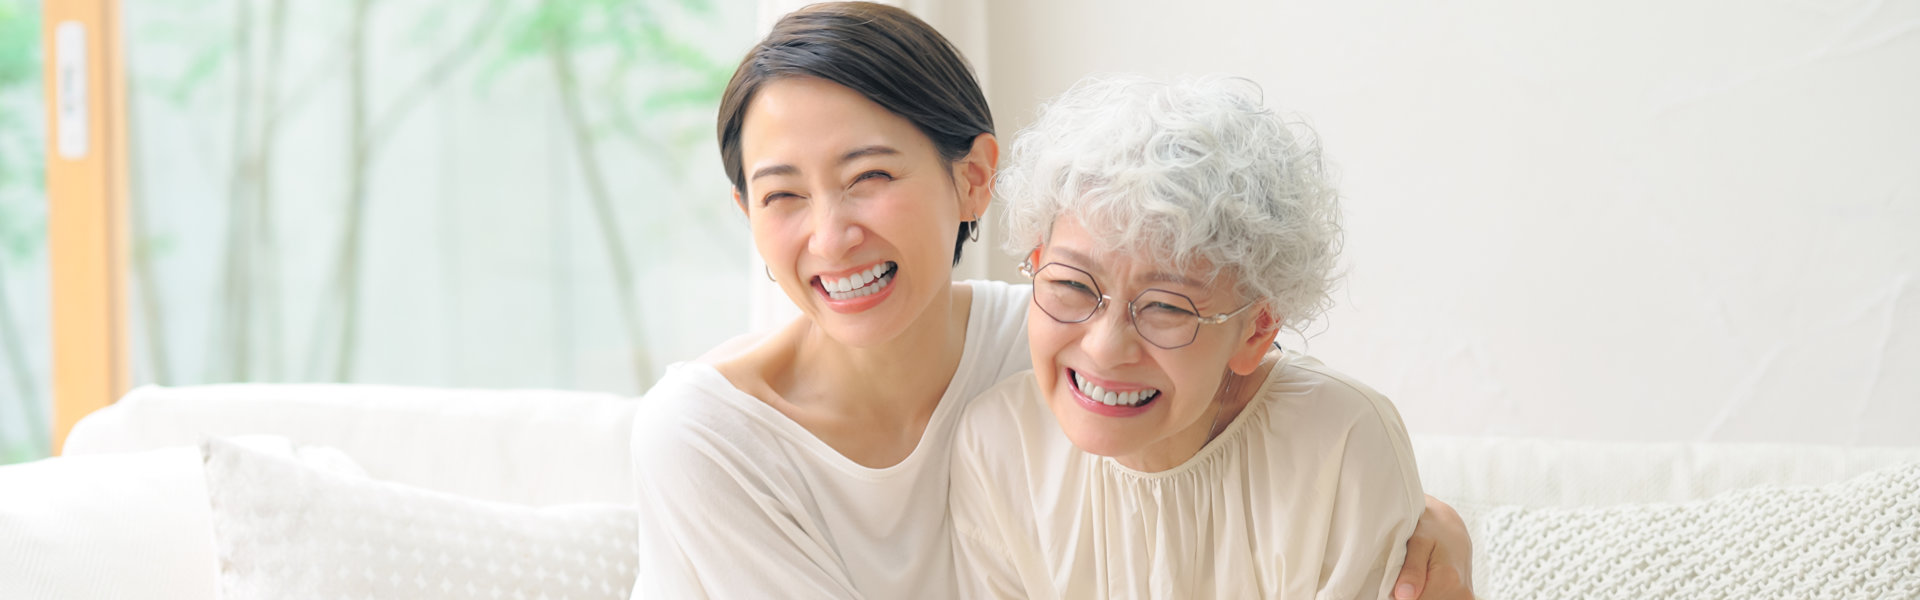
x: 861, y: 284
x: 1134, y: 398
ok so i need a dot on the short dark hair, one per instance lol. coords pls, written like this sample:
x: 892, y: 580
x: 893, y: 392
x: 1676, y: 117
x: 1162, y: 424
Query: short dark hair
x: 886, y: 54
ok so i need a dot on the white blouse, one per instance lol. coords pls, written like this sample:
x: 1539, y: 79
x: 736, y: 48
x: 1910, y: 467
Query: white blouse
x: 739, y: 501
x: 1311, y: 492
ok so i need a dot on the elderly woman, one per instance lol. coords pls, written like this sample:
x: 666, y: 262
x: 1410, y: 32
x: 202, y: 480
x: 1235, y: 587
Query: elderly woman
x: 1163, y: 445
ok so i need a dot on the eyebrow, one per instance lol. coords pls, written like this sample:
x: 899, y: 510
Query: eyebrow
x: 850, y: 156
x: 1156, y: 276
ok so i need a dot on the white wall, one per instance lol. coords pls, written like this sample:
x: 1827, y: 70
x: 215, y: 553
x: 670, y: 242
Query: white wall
x: 1638, y: 220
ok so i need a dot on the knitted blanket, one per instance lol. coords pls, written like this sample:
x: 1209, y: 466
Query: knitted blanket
x: 1854, y: 539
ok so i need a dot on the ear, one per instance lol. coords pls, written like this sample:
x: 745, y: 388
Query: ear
x: 973, y: 174
x: 1256, y: 338
x: 1033, y: 259
x: 737, y: 202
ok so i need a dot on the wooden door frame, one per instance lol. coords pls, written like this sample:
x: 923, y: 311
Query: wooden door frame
x: 86, y: 209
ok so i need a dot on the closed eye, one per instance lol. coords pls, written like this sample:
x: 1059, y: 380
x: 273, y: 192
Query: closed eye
x: 1167, y: 309
x: 1073, y: 286
x: 873, y: 175
x: 770, y: 198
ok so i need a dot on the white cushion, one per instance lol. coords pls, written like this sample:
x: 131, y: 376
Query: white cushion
x: 1856, y: 540
x: 119, y: 525
x: 285, y: 529
x: 1477, y: 475
x: 524, y: 446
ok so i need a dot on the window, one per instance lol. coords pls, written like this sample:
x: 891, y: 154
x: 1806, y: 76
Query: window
x: 24, y: 347
x: 504, y: 193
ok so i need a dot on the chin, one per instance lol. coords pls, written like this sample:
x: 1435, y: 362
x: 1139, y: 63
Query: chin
x: 874, y: 326
x: 861, y: 331
x: 1090, y: 433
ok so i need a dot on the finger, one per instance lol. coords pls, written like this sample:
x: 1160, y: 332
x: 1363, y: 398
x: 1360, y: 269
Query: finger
x: 1413, y: 572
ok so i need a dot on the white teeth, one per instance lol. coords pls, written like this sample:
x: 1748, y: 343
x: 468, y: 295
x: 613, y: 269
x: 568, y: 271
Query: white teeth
x: 1110, y: 398
x: 860, y: 284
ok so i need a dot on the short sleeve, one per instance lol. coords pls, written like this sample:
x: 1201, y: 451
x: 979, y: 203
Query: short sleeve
x: 1376, y: 506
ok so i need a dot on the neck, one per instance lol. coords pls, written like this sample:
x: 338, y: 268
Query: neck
x: 895, y: 380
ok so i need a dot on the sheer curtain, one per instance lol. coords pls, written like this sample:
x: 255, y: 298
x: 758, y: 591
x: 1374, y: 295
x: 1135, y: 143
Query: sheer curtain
x: 504, y: 193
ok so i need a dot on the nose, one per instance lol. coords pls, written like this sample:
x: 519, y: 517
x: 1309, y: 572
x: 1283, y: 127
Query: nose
x: 1110, y: 339
x: 835, y: 231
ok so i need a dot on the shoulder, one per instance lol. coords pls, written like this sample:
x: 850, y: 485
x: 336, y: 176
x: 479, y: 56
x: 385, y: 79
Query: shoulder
x: 1003, y: 422
x: 1005, y: 404
x: 1000, y: 305
x: 1337, y: 451
x: 996, y: 333
x: 687, y: 390
x: 694, y: 420
x: 1306, y: 390
x: 1002, y: 450
x: 1319, y: 414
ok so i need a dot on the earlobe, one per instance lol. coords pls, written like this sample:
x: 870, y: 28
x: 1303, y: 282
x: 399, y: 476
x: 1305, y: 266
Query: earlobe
x: 738, y: 203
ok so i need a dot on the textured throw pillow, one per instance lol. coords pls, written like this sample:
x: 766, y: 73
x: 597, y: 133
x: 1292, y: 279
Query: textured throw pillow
x: 285, y: 530
x: 1854, y: 539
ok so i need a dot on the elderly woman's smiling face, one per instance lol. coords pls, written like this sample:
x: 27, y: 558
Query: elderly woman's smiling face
x: 1117, y: 389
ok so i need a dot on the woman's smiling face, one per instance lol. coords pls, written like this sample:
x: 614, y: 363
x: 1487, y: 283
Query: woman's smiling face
x: 852, y: 207
x: 1164, y: 399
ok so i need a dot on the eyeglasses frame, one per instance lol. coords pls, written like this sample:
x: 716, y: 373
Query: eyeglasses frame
x: 1027, y: 269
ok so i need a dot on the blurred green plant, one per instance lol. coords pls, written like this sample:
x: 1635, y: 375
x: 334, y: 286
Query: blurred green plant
x: 22, y: 213
x: 619, y: 67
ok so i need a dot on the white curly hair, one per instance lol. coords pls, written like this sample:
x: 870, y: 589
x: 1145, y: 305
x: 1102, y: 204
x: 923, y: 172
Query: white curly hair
x: 1173, y: 171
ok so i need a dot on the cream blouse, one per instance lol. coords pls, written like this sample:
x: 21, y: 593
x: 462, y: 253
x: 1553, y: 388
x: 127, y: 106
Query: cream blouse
x: 1311, y: 492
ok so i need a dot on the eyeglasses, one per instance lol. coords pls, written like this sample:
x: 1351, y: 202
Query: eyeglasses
x: 1165, y: 319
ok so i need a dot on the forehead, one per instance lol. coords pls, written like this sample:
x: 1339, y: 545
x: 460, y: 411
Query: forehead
x: 1073, y: 244
x: 794, y: 119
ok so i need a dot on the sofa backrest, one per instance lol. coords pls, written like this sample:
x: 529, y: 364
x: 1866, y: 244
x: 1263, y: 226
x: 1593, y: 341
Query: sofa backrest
x: 533, y: 447
x: 1494, y: 471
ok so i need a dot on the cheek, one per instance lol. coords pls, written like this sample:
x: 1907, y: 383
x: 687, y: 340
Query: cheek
x: 912, y: 209
x: 778, y: 240
x: 1047, y: 339
x: 1197, y: 374
x: 1042, y: 333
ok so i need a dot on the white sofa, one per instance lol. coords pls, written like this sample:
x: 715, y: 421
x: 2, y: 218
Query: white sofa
x: 124, y: 512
